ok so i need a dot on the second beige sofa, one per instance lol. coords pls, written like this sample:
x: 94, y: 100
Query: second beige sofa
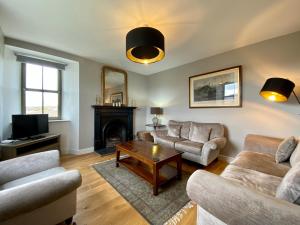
x: 202, y: 152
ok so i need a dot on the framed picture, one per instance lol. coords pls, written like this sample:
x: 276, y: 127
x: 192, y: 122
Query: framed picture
x: 116, y: 97
x: 222, y: 88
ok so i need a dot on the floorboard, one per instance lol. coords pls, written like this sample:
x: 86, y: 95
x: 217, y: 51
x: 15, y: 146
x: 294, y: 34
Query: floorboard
x: 98, y: 203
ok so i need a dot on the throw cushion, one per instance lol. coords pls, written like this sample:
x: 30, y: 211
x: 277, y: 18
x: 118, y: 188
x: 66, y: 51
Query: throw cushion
x: 174, y: 130
x: 289, y: 188
x: 295, y: 157
x: 200, y: 134
x: 285, y: 149
x: 185, y: 127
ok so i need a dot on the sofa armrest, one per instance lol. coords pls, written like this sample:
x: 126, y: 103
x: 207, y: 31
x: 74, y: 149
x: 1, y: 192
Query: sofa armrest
x: 215, y: 143
x: 16, y: 168
x: 262, y: 144
x: 236, y: 204
x: 25, y: 198
x: 211, y: 149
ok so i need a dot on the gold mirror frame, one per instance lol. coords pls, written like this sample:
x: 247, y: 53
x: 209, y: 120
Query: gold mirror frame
x: 103, y: 74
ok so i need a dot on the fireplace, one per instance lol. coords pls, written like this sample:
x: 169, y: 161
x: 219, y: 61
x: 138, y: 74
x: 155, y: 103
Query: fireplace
x: 113, y: 125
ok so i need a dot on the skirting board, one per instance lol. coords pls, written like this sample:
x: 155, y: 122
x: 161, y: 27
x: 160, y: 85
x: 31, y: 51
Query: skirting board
x: 226, y: 158
x: 85, y: 151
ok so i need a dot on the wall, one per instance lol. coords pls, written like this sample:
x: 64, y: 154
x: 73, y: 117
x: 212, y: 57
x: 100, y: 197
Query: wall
x: 89, y: 84
x: 275, y: 57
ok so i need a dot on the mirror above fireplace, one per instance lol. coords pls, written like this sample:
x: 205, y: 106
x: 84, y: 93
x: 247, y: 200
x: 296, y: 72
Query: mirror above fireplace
x: 114, y: 86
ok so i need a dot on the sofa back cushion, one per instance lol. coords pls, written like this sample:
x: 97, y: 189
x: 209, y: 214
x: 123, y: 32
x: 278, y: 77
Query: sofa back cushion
x: 289, y: 188
x: 217, y: 130
x: 174, y: 131
x: 285, y: 149
x: 185, y: 127
x: 200, y: 134
x: 295, y: 157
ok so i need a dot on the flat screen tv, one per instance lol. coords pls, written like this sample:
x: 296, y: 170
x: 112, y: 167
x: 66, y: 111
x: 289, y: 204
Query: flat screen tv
x: 28, y: 126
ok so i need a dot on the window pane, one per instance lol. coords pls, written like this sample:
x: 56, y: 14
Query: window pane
x: 51, y: 104
x: 50, y: 78
x: 33, y: 76
x: 33, y: 102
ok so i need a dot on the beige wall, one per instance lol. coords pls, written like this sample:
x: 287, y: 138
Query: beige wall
x: 275, y: 57
x: 89, y: 87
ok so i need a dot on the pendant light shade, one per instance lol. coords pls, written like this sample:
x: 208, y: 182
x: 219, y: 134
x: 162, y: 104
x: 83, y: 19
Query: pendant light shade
x: 277, y: 89
x: 145, y: 45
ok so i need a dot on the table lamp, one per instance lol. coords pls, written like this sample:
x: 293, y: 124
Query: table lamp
x: 156, y: 111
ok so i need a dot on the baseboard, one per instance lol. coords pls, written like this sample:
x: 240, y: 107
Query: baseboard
x: 226, y: 158
x: 85, y: 151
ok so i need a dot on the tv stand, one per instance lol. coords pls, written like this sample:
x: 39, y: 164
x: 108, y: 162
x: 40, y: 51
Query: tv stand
x: 25, y: 147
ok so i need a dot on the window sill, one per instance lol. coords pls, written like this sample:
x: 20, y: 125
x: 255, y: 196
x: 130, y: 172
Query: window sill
x: 58, y: 121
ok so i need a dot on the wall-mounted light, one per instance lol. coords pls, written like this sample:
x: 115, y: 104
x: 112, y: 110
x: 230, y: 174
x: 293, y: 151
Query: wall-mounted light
x: 145, y: 45
x: 278, y: 89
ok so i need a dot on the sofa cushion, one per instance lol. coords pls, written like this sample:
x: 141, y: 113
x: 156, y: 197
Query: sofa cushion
x: 217, y: 130
x: 33, y: 177
x: 189, y: 146
x: 259, y: 181
x: 168, y: 141
x: 295, y: 157
x: 285, y: 149
x: 174, y: 130
x: 289, y: 189
x: 199, y: 134
x: 261, y: 162
x: 185, y: 127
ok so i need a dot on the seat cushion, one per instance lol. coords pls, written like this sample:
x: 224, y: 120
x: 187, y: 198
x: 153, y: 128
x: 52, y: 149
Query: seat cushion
x: 33, y: 177
x: 189, y: 146
x: 168, y: 141
x: 261, y: 162
x: 262, y: 182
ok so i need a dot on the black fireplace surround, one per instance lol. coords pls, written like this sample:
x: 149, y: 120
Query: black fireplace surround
x: 113, y: 125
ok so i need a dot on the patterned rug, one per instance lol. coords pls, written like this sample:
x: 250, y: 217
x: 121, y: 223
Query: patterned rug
x: 155, y: 209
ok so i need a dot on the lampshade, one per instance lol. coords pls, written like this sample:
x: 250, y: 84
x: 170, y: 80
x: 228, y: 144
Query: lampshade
x: 277, y: 89
x: 145, y: 45
x: 156, y: 110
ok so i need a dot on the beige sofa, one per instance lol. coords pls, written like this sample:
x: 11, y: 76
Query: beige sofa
x: 245, y: 193
x: 203, y: 151
x: 35, y: 190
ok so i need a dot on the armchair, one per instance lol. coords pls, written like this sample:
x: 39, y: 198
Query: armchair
x: 35, y: 190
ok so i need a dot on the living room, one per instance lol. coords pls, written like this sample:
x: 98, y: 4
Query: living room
x: 219, y: 96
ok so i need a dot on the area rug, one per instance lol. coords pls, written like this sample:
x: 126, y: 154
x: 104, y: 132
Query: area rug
x: 138, y: 192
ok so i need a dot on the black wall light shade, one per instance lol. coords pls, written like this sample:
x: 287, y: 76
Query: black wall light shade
x: 277, y: 89
x: 145, y: 45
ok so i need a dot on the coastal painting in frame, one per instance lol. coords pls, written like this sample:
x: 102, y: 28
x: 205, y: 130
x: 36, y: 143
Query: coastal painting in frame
x: 220, y: 88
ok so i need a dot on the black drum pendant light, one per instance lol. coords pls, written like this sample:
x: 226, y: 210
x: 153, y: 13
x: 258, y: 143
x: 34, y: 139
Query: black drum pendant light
x: 278, y: 89
x: 145, y: 45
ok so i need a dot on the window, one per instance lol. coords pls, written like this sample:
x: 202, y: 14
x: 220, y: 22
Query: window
x: 41, y: 90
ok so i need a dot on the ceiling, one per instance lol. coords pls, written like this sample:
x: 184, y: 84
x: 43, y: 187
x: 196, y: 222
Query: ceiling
x: 193, y: 29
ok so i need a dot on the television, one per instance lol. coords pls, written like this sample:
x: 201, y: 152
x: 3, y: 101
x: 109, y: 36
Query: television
x: 29, y: 126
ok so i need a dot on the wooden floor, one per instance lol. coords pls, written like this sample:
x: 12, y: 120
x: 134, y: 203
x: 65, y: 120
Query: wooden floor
x: 98, y: 203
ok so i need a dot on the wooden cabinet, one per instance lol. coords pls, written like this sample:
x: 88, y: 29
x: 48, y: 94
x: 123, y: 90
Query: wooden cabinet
x: 20, y: 148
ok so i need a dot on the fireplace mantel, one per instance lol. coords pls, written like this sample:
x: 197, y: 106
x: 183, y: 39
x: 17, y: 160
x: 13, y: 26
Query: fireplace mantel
x: 104, y: 116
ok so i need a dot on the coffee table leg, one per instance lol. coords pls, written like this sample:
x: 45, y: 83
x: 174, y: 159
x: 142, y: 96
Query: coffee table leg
x: 155, y: 179
x: 117, y: 158
x: 179, y: 165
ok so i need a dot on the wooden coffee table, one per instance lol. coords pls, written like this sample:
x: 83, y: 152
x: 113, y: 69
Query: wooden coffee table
x: 150, y: 161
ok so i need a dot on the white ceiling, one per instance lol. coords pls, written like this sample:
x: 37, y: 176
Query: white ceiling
x: 193, y: 29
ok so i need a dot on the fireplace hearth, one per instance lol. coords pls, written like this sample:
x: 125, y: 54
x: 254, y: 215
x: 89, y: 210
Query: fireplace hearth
x: 113, y: 125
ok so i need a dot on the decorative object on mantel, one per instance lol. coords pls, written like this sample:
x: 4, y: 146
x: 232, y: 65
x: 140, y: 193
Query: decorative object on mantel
x: 114, y: 86
x: 278, y: 89
x: 145, y: 45
x: 98, y: 100
x: 221, y: 88
x: 156, y: 111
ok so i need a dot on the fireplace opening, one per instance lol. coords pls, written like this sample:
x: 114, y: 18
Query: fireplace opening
x: 114, y: 133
